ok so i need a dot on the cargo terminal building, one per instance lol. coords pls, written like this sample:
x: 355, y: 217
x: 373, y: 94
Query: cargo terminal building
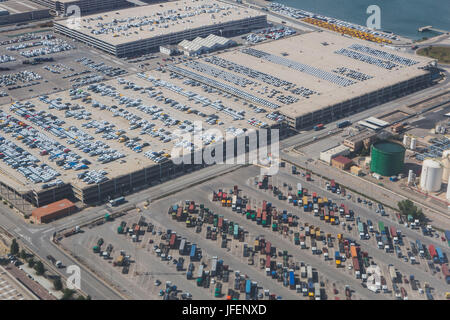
x: 12, y: 12
x: 59, y: 7
x: 129, y: 32
x: 49, y: 151
x: 321, y: 77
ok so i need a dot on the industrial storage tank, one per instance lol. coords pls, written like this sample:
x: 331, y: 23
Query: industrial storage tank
x: 448, y: 191
x: 446, y: 165
x: 431, y: 177
x: 413, y: 144
x: 387, y: 158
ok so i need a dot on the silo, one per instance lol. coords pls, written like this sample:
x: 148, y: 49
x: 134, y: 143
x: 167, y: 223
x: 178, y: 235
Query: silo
x: 412, y: 146
x: 446, y: 165
x: 387, y: 158
x: 431, y: 177
x: 411, y: 177
x: 448, y: 191
x: 406, y: 140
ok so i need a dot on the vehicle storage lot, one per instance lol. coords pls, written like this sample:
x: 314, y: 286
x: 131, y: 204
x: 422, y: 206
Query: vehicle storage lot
x: 57, y: 74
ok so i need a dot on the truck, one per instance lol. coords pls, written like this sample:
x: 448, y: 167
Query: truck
x: 297, y: 238
x: 291, y: 279
x: 218, y: 290
x: 318, y: 127
x: 356, y: 267
x: 343, y: 124
x: 303, y: 273
x: 302, y: 241
x: 333, y: 186
x: 446, y: 273
x: 440, y: 255
x: 172, y: 241
x: 192, y: 254
x: 213, y: 266
x: 316, y: 209
x: 393, y: 273
x: 381, y: 227
x: 200, y: 275
x: 117, y: 201
x: 433, y: 253
x: 182, y: 247
x: 236, y: 231
x: 337, y: 258
x: 317, y: 291
x: 362, y: 235
x: 394, y: 234
x: 313, y: 246
x: 309, y: 273
x: 420, y: 248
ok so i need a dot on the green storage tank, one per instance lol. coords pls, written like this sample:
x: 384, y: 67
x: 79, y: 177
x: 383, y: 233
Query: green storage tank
x: 387, y: 158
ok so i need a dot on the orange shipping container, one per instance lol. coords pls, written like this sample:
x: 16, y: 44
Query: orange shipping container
x: 354, y: 251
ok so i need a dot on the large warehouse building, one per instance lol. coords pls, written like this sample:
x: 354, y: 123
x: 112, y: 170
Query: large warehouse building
x: 12, y: 12
x: 319, y: 77
x: 50, y: 151
x: 143, y: 29
x: 60, y: 7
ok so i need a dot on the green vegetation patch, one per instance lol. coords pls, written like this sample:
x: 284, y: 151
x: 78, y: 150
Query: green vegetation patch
x: 442, y: 54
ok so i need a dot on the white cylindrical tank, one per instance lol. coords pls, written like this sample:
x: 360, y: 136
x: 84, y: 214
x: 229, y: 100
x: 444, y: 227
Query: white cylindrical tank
x: 446, y: 165
x: 411, y: 177
x: 412, y: 146
x: 448, y: 191
x: 431, y: 177
x: 406, y: 140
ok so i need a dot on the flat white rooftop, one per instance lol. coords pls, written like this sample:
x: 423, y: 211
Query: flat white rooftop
x: 144, y: 22
x: 317, y: 50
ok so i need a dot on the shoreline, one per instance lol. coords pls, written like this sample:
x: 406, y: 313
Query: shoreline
x: 299, y: 14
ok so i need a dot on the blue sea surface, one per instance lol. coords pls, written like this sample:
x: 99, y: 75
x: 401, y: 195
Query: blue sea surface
x: 402, y: 17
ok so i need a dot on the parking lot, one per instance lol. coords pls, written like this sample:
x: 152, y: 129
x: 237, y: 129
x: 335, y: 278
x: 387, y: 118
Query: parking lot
x: 149, y: 265
x: 43, y: 62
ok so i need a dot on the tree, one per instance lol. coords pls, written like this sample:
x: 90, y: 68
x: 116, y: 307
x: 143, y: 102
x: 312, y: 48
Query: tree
x: 407, y: 207
x: 57, y: 284
x: 68, y: 294
x: 14, y: 247
x: 39, y: 267
x: 31, y: 262
x: 23, y: 254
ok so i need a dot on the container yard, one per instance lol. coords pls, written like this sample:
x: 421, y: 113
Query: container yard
x: 170, y: 23
x: 268, y: 225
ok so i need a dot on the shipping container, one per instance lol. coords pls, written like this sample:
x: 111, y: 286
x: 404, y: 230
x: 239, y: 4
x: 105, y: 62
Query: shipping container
x: 182, y: 247
x: 433, y: 253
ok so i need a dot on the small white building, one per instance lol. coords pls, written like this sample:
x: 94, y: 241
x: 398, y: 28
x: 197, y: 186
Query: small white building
x: 329, y: 154
x: 204, y: 45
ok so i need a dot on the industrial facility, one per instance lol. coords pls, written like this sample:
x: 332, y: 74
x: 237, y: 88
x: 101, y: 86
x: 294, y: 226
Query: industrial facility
x: 139, y: 30
x: 317, y: 78
x: 109, y: 150
x: 387, y: 158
